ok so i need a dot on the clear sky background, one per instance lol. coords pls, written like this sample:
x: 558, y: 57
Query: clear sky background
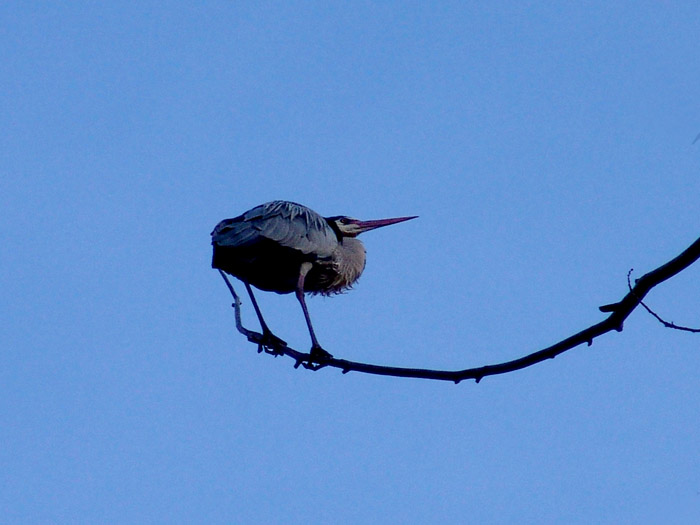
x: 546, y: 148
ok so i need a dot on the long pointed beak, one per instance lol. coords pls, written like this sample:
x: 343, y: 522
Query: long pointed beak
x: 365, y: 226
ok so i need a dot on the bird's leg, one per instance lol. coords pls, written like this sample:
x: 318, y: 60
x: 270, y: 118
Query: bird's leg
x: 269, y: 339
x: 317, y: 353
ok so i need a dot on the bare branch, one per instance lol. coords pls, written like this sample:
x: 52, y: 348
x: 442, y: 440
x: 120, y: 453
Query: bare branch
x: 618, y: 314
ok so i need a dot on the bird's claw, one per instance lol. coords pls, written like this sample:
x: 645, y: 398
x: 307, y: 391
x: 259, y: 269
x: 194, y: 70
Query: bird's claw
x: 270, y: 343
x: 319, y: 355
x: 318, y: 358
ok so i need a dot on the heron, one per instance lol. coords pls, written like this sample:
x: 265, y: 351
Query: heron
x: 284, y: 247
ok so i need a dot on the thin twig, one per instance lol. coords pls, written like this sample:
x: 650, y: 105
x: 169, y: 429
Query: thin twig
x: 237, y: 308
x: 667, y: 324
x: 619, y: 313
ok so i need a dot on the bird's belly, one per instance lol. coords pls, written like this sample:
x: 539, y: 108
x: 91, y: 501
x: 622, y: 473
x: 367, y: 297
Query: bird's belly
x: 267, y: 266
x: 323, y: 278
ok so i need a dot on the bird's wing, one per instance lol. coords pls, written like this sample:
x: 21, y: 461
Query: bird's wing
x: 289, y: 224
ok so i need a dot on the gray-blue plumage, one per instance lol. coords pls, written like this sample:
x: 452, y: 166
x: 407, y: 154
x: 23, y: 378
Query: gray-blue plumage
x: 287, y: 223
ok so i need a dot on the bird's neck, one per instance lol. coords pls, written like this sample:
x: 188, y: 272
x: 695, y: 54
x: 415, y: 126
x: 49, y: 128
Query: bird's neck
x: 350, y: 258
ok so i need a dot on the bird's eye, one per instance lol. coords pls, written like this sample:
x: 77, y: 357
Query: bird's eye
x: 344, y: 220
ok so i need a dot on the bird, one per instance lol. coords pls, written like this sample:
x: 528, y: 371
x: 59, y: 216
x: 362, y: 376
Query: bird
x: 285, y: 247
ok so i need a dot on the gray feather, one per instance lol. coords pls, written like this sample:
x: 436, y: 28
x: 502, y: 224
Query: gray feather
x: 289, y: 224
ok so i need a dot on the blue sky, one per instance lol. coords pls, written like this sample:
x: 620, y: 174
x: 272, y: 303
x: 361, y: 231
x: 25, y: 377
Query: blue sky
x: 546, y: 148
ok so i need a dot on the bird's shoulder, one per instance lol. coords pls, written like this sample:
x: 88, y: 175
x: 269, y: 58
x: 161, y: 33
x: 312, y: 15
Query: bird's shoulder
x: 287, y: 223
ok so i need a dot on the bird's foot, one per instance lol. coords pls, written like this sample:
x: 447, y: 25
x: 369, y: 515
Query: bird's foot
x: 318, y: 358
x: 270, y: 343
x: 319, y: 355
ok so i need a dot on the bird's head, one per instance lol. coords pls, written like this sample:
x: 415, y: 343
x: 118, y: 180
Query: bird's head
x: 349, y: 227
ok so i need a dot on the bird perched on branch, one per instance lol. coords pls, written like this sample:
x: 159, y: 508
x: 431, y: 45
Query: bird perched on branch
x: 285, y: 247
